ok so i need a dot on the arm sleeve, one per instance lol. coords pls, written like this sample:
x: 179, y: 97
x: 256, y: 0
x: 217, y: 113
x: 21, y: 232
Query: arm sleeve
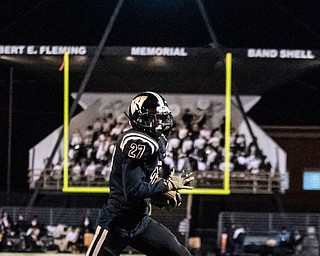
x: 134, y: 185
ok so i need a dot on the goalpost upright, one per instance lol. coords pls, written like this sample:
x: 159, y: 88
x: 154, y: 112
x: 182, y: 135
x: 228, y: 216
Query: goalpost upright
x: 200, y: 191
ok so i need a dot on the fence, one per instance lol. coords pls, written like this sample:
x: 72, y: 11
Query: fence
x: 261, y: 225
x: 74, y: 216
x: 257, y: 223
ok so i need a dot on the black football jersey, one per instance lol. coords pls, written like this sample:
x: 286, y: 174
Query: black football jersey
x: 136, y: 164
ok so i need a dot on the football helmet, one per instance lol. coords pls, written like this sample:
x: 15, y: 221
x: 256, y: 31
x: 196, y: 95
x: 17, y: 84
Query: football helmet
x: 150, y: 113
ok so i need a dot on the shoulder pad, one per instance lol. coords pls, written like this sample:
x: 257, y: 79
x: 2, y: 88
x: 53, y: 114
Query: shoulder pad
x: 138, y: 145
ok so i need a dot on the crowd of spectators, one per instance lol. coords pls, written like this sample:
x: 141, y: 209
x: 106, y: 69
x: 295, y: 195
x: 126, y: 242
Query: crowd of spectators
x: 193, y: 144
x: 32, y: 236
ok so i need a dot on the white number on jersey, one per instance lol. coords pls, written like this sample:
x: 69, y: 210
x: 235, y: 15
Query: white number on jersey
x: 136, y: 150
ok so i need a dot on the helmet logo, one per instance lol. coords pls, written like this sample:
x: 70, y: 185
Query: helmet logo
x: 136, y: 103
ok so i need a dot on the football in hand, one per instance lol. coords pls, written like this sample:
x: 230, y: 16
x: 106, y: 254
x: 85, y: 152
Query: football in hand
x: 168, y: 200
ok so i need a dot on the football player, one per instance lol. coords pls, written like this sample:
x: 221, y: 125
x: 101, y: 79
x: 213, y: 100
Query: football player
x: 136, y: 179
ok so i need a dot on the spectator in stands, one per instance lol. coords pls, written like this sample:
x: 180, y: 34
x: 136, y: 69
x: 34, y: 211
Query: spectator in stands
x: 172, y: 150
x: 121, y: 124
x: 65, y: 238
x: 71, y: 239
x: 199, y: 155
x: 283, y: 238
x: 103, y: 147
x: 298, y: 242
x: 97, y: 128
x: 76, y: 138
x: 76, y: 145
x: 183, y: 132
x: 76, y: 172
x: 256, y: 160
x: 222, y: 164
x: 187, y: 118
x: 233, y: 135
x: 184, y: 154
x: 108, y: 122
x: 87, y: 226
x: 214, y: 151
x: 106, y: 171
x: 194, y: 245
x: 222, y: 126
x: 311, y: 242
x: 205, y: 132
x: 5, y: 228
x: 86, y: 233
x: 284, y: 242
x: 238, y: 241
x: 21, y: 226
x: 240, y: 142
x: 200, y: 115
x: 256, y: 154
x: 213, y: 158
x: 90, y: 172
x: 33, y: 235
x: 240, y: 161
x: 93, y: 150
x: 5, y: 222
x: 266, y: 165
x: 226, y: 242
x: 56, y: 173
x: 215, y: 141
x: 220, y: 136
x: 88, y: 135
x: 254, y: 164
x: 109, y: 152
x: 58, y: 234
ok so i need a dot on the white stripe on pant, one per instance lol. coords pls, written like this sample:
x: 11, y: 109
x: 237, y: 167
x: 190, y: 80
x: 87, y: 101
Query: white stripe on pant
x: 99, y: 243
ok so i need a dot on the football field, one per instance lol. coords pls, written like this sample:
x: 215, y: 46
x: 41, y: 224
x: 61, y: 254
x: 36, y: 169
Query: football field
x: 48, y: 254
x: 37, y: 254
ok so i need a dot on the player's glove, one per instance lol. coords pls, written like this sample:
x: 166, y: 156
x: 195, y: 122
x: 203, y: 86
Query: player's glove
x: 177, y: 182
x: 168, y: 200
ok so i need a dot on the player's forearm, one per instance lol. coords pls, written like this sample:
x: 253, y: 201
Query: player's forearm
x: 146, y: 190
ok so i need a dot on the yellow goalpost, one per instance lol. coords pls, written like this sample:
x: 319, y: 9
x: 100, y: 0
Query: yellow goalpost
x: 196, y: 191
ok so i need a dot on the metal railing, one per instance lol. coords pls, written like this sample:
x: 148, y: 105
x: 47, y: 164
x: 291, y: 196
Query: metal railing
x: 262, y: 223
x: 241, y: 182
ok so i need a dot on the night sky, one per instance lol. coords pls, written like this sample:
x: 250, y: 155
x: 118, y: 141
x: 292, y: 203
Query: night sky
x: 241, y: 23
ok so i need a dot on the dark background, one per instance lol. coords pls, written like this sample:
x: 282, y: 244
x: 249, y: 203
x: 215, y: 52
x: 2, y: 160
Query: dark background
x: 237, y: 24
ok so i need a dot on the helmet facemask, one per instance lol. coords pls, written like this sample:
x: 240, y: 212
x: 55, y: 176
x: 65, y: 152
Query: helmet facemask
x: 157, y: 123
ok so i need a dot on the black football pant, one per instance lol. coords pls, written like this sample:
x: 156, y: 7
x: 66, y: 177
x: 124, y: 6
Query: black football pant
x: 156, y: 240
